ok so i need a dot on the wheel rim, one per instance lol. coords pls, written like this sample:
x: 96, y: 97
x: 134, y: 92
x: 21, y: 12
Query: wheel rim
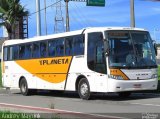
x: 23, y: 88
x: 84, y: 89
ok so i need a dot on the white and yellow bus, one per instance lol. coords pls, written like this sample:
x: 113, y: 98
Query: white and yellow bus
x: 90, y: 60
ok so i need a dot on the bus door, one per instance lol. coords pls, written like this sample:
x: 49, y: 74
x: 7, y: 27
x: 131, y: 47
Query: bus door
x: 96, y: 59
x: 100, y: 66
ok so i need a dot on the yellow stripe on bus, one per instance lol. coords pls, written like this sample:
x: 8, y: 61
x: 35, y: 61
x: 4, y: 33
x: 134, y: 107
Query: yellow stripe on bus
x: 53, y: 70
x: 3, y: 67
x: 118, y: 72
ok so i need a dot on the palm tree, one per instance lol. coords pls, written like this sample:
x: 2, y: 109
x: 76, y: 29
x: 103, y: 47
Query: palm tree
x: 11, y: 12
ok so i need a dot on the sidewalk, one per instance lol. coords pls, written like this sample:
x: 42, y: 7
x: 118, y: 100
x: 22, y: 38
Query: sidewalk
x: 9, y: 91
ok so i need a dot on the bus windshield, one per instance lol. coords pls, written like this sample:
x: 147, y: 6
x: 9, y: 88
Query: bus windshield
x: 131, y: 49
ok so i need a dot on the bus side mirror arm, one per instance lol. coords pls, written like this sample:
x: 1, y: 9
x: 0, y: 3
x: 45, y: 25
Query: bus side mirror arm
x: 107, y: 52
x: 155, y: 47
x: 106, y: 46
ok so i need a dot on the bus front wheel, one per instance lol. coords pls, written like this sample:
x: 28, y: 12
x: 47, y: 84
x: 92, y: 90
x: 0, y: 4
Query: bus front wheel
x: 84, y: 89
x: 24, y: 87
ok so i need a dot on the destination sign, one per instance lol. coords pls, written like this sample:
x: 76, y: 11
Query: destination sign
x: 118, y: 34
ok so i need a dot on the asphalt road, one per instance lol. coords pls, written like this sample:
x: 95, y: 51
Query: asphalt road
x: 136, y: 106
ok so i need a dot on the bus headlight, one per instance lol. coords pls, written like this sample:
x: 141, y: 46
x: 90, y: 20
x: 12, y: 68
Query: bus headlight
x: 154, y: 76
x: 118, y: 77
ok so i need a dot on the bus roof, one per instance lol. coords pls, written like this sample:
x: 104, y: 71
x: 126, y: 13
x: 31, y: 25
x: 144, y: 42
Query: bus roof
x: 65, y: 34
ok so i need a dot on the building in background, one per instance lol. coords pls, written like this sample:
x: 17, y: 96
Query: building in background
x: 21, y: 28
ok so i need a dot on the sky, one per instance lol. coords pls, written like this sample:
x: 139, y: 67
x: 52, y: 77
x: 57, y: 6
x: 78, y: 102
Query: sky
x: 115, y: 13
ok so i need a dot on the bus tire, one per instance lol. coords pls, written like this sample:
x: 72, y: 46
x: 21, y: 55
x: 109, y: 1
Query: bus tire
x: 124, y: 94
x: 24, y: 87
x: 84, y: 89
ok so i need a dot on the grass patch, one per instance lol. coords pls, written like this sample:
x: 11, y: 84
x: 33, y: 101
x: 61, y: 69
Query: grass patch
x: 12, y: 115
x: 0, y: 76
x: 21, y: 115
x: 158, y: 88
x: 159, y: 72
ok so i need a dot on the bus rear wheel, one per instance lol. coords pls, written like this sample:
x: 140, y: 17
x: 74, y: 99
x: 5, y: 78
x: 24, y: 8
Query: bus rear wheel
x: 84, y: 89
x: 24, y: 87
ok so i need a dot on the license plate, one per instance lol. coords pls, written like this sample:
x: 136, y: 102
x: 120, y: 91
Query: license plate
x: 137, y: 85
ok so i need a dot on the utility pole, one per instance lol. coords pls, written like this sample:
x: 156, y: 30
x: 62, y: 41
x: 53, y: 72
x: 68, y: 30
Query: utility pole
x: 38, y: 18
x: 45, y: 18
x: 67, y: 16
x: 132, y: 13
x: 67, y: 12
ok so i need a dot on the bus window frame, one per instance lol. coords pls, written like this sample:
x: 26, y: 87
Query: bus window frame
x: 47, y: 41
x: 36, y: 42
x: 22, y: 58
x: 51, y: 40
x: 30, y: 43
x: 47, y: 53
x: 13, y: 58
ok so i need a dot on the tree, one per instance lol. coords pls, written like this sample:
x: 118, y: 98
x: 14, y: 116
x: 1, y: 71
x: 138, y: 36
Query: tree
x: 11, y: 12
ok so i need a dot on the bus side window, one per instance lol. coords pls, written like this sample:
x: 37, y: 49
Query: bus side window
x: 69, y: 46
x: 36, y: 50
x: 60, y: 47
x: 15, y: 52
x: 5, y: 54
x: 52, y: 48
x: 22, y: 52
x: 78, y: 45
x: 43, y: 49
x: 28, y: 51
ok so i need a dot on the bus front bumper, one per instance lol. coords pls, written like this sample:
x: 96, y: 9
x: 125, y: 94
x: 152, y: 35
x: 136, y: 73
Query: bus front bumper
x: 131, y: 85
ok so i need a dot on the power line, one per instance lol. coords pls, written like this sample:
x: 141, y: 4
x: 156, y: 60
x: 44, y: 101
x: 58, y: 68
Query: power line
x: 85, y: 20
x: 45, y: 8
x: 75, y: 16
x: 86, y: 17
